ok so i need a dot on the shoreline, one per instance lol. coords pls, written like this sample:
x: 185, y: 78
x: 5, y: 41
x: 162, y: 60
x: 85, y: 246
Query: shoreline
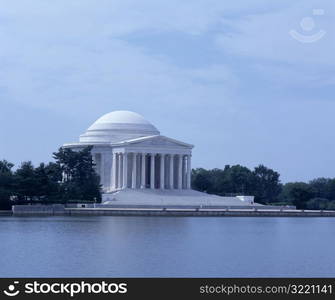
x: 5, y: 213
x: 60, y: 210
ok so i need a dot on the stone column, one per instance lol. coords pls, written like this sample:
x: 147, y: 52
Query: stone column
x: 134, y: 174
x: 95, y: 162
x: 180, y: 171
x: 162, y: 175
x: 189, y: 172
x: 143, y: 182
x: 185, y: 172
x: 114, y: 172
x: 125, y: 170
x: 119, y: 178
x: 152, y: 171
x: 171, y: 185
x: 102, y: 170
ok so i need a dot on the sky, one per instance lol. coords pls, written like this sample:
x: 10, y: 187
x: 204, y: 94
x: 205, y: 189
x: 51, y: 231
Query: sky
x: 235, y: 78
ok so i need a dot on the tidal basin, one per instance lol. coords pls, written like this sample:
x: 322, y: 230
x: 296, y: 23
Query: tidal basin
x: 115, y: 246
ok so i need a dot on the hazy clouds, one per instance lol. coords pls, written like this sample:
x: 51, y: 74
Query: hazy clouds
x: 226, y: 77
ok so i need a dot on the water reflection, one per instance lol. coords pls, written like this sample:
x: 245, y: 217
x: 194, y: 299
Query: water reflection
x: 166, y: 246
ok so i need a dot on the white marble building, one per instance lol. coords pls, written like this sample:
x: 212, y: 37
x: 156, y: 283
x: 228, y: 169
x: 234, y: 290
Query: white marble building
x: 129, y: 152
x: 137, y: 165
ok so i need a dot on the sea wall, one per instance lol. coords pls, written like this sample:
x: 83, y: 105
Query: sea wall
x: 146, y: 206
x: 54, y: 210
x: 40, y: 210
x: 6, y: 212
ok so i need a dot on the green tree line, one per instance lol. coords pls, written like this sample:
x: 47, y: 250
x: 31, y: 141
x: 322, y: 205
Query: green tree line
x: 264, y: 183
x: 45, y: 184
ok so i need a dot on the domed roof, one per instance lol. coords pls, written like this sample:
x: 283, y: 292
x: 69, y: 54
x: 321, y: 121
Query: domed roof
x: 118, y: 126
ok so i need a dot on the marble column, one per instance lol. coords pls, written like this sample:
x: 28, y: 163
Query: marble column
x: 189, y: 172
x: 162, y: 173
x: 180, y: 171
x: 114, y: 172
x: 119, y: 178
x: 95, y: 162
x: 171, y: 185
x: 125, y: 170
x: 134, y: 173
x: 184, y: 172
x: 102, y: 170
x: 152, y: 171
x: 143, y: 181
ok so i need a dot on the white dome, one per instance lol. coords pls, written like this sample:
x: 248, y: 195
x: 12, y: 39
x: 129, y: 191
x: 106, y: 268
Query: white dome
x: 118, y: 126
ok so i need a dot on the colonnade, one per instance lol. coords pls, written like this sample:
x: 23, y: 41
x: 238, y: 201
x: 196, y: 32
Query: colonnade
x: 145, y: 170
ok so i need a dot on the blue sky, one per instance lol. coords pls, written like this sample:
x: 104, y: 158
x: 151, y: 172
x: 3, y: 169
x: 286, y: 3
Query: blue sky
x: 225, y: 76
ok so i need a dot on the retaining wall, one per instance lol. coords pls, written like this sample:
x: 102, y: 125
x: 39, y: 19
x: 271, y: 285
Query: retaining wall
x: 53, y: 210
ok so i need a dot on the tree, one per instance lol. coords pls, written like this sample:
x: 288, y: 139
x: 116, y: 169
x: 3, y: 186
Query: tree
x: 48, y: 178
x: 41, y: 181
x: 80, y: 179
x: 266, y: 184
x: 331, y: 205
x: 300, y: 193
x: 6, y: 184
x: 321, y: 187
x: 232, y: 180
x: 285, y: 194
x: 331, y: 189
x: 317, y: 203
x: 217, y: 181
x: 26, y: 185
x: 200, y: 180
x: 238, y: 179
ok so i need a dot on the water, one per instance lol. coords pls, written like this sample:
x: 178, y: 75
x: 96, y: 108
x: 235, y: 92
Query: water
x: 106, y: 246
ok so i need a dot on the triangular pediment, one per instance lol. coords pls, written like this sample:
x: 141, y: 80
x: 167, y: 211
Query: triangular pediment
x: 158, y: 141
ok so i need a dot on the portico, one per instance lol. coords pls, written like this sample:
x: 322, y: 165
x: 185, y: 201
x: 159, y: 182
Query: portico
x: 147, y: 170
x: 136, y: 169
